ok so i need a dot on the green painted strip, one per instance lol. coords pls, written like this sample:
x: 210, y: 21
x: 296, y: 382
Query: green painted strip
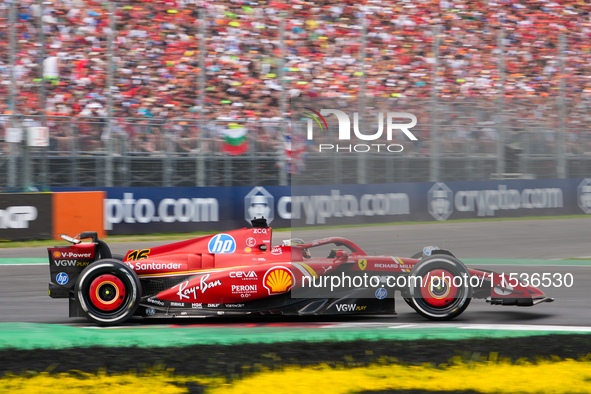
x: 23, y: 260
x: 48, y: 336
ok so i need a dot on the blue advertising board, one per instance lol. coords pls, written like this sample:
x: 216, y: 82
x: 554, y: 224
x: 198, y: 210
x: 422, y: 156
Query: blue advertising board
x: 137, y: 210
x: 187, y: 209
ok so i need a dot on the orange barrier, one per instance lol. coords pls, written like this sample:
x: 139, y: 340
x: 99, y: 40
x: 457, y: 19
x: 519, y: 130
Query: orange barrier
x: 75, y: 212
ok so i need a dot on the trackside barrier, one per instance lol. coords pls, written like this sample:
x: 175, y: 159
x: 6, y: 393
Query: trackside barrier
x: 30, y: 216
x: 75, y: 212
x: 155, y: 210
x: 25, y: 216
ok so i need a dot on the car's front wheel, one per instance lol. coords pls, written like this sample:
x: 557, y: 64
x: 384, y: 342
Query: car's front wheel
x: 439, y: 287
x: 108, y: 292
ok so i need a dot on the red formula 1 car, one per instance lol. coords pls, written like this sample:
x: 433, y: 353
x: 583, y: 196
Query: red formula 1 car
x: 240, y: 273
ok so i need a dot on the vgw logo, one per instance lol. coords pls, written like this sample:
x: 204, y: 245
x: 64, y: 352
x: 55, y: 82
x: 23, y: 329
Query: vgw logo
x: 345, y: 130
x: 222, y: 243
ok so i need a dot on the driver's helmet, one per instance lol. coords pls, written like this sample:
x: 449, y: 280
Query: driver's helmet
x: 293, y: 242
x: 298, y: 241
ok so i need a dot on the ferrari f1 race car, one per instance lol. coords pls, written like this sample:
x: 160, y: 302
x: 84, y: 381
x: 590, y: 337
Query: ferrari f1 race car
x: 240, y: 273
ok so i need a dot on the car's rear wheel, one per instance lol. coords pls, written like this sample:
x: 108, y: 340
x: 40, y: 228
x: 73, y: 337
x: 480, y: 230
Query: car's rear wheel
x: 439, y: 287
x: 108, y: 292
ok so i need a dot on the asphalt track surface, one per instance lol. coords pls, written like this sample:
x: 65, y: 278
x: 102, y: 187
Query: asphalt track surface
x: 23, y: 288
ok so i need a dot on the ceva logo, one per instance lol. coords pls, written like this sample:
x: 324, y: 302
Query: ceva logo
x: 222, y: 243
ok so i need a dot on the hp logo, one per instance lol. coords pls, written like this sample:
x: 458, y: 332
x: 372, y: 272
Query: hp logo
x: 381, y: 293
x: 62, y: 278
x: 222, y: 243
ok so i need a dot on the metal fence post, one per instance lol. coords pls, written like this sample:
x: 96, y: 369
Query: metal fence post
x: 42, y: 55
x: 200, y: 176
x: 434, y: 137
x: 500, y: 167
x: 26, y: 180
x: 109, y: 123
x: 560, y: 138
x: 252, y: 157
x: 12, y: 154
x: 227, y: 170
x: 282, y: 103
x: 361, y: 157
x: 75, y: 155
x: 168, y: 170
x: 43, y: 94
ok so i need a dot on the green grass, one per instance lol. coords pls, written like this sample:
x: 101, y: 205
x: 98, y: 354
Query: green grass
x: 181, y: 236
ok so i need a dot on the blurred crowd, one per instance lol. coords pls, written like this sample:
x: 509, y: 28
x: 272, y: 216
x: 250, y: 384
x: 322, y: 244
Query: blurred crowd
x: 156, y: 50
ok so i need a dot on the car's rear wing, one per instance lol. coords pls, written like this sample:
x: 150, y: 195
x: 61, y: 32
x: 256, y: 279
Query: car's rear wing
x: 67, y: 262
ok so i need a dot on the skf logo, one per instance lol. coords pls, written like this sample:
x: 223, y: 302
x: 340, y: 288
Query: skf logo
x: 222, y: 243
x: 277, y: 280
x: 362, y: 264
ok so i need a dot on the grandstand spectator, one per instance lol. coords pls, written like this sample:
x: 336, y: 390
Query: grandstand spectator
x: 156, y: 60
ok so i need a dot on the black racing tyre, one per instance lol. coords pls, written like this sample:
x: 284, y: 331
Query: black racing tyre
x: 439, y: 287
x: 108, y: 292
x: 409, y: 302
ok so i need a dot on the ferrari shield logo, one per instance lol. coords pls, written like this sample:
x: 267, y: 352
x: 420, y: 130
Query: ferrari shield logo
x: 362, y: 264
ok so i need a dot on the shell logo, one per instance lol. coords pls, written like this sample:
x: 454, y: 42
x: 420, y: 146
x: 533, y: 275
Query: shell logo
x: 277, y: 280
x: 57, y: 255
